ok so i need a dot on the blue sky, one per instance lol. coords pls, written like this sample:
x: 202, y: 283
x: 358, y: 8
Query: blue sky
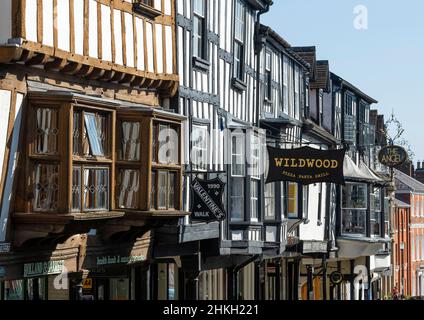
x: 386, y: 61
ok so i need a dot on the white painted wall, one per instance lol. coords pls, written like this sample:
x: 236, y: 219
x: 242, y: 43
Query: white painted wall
x: 5, y: 96
x: 6, y: 21
x: 12, y: 163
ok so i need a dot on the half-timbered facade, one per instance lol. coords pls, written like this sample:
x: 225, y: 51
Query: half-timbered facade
x: 92, y: 157
x: 218, y: 72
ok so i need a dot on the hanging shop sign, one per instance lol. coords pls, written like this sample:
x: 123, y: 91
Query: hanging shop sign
x: 336, y: 277
x: 44, y: 268
x: 207, y: 202
x: 306, y: 165
x: 392, y: 156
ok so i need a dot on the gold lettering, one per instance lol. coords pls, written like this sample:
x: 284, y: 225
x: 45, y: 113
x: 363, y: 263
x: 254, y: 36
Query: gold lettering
x: 302, y: 163
x: 278, y: 162
x: 326, y: 164
x: 293, y: 163
x: 310, y: 162
x: 318, y: 163
x: 334, y: 164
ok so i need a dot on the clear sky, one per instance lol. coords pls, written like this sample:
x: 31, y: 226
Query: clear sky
x: 386, y: 61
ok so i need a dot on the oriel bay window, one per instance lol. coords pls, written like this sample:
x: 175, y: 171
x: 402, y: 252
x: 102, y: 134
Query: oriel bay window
x: 86, y: 157
x: 376, y: 210
x: 91, y: 159
x: 166, y: 167
x: 354, y: 208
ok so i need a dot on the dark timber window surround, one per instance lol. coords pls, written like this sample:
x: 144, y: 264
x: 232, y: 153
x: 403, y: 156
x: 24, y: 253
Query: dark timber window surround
x: 85, y: 158
x: 268, y: 76
x: 146, y: 8
x: 200, y: 35
x: 239, y: 46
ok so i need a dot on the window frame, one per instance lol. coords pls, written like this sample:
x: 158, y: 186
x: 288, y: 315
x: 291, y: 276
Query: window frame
x: 240, y: 42
x: 169, y: 168
x: 203, y: 37
x: 68, y: 157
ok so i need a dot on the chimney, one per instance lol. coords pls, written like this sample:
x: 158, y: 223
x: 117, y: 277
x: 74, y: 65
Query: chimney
x: 422, y: 166
x: 418, y: 165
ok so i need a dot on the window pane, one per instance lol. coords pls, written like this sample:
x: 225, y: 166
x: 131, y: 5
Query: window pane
x: 76, y: 147
x: 162, y: 189
x: 239, y: 21
x: 153, y: 191
x: 96, y: 188
x: 14, y: 290
x: 353, y: 221
x: 171, y: 192
x: 155, y: 143
x: 47, y: 131
x: 254, y: 196
x: 168, y: 145
x: 292, y: 200
x: 237, y: 199
x: 270, y: 201
x: 46, y: 187
x: 305, y: 205
x: 95, y: 126
x: 128, y: 185
x: 130, y: 141
x: 76, y: 189
x: 354, y: 196
x: 198, y: 34
x: 199, y: 7
x: 200, y: 151
x: 238, y: 155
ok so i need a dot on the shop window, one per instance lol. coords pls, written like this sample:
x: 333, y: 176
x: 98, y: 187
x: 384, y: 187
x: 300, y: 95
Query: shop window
x: 354, y: 207
x: 14, y: 290
x: 119, y: 289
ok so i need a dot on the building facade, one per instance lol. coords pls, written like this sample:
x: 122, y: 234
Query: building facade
x: 85, y: 90
x: 409, y: 260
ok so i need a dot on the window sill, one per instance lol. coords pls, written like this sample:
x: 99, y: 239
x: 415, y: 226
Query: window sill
x: 201, y: 64
x: 145, y: 10
x: 238, y: 84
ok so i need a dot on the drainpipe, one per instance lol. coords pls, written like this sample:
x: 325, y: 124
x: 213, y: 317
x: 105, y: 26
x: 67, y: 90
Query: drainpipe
x: 234, y: 276
x: 258, y: 49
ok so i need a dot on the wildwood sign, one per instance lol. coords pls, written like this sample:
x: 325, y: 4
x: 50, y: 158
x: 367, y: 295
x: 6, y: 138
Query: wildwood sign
x: 305, y: 165
x: 207, y: 200
x: 392, y: 156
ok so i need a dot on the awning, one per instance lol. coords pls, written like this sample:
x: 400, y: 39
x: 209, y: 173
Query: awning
x: 360, y: 173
